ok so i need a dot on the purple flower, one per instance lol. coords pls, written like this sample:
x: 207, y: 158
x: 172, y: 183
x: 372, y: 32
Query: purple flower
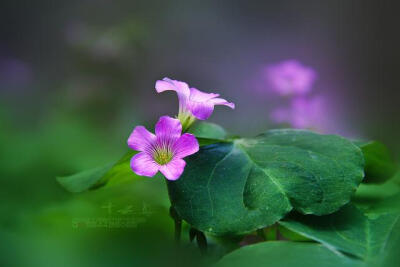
x: 193, y: 104
x: 306, y: 112
x: 290, y: 77
x: 163, y: 151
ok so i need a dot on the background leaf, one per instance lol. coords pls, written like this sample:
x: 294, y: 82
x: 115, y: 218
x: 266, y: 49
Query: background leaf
x: 85, y: 180
x: 109, y: 175
x: 379, y: 165
x: 364, y: 234
x: 370, y: 194
x: 208, y: 130
x: 282, y: 254
x: 247, y: 184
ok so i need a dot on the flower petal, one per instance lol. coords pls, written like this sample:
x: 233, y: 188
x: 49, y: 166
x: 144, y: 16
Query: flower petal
x: 186, y: 145
x: 220, y: 101
x: 173, y: 169
x: 290, y: 77
x: 166, y: 84
x: 168, y: 127
x: 201, y: 110
x: 140, y: 139
x: 199, y: 96
x: 143, y: 164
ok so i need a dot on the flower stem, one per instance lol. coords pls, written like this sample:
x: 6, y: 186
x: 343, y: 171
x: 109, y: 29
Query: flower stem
x: 261, y: 233
x: 186, y: 119
x: 201, y: 242
x: 278, y: 233
x: 271, y: 232
x: 178, y: 230
x: 192, y: 234
x: 178, y: 224
x: 201, y: 239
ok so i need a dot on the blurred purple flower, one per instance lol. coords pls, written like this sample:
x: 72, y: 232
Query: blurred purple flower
x: 14, y: 72
x: 290, y: 77
x: 193, y: 104
x: 305, y: 112
x: 163, y: 151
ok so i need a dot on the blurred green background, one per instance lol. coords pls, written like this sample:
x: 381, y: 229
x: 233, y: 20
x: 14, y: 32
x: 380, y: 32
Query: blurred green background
x: 77, y: 76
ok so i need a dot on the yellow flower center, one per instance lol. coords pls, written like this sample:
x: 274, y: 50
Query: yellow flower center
x: 163, y: 156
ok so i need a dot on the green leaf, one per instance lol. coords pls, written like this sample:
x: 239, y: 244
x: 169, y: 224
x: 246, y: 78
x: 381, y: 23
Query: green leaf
x: 392, y: 256
x: 286, y: 254
x: 240, y: 186
x: 121, y: 171
x: 290, y: 235
x: 379, y: 165
x: 390, y: 204
x: 208, y: 133
x: 363, y: 234
x: 208, y: 130
x: 110, y: 174
x: 85, y: 180
x: 370, y: 194
x: 396, y: 178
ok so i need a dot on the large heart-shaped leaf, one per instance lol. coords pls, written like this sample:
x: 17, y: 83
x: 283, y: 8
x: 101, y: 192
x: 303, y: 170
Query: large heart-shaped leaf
x: 247, y: 184
x: 286, y: 254
x: 364, y: 234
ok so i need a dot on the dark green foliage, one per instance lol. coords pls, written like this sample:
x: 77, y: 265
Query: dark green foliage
x: 379, y: 165
x: 247, y: 184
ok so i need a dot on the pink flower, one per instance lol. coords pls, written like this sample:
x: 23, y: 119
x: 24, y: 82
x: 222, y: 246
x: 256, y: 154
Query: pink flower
x: 305, y: 112
x: 193, y: 104
x: 163, y: 151
x: 290, y: 77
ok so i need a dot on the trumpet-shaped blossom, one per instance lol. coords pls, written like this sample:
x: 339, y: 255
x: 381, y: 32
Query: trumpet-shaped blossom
x: 193, y: 104
x: 290, y: 77
x: 163, y: 151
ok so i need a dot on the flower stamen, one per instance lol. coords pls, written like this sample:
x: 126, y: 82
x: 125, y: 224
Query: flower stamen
x: 163, y: 155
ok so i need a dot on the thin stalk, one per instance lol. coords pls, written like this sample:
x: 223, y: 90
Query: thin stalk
x: 178, y: 224
x: 261, y: 233
x: 201, y: 242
